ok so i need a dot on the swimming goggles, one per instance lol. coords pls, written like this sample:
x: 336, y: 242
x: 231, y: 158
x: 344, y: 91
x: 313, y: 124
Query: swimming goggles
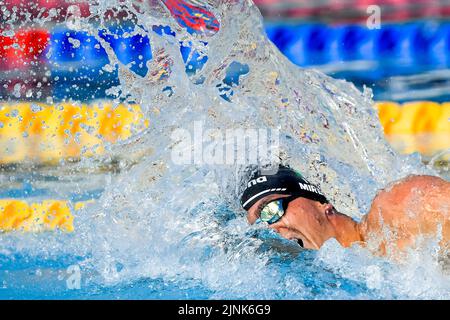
x: 275, y: 209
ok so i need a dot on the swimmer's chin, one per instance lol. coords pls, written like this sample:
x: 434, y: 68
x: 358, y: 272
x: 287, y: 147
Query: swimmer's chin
x: 303, y: 241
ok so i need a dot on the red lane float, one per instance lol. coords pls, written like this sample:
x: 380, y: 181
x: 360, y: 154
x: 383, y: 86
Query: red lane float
x: 22, y: 47
x: 192, y: 17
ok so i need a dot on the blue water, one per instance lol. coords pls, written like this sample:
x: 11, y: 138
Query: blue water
x: 38, y: 267
x: 295, y: 274
x: 44, y: 272
x: 204, y: 252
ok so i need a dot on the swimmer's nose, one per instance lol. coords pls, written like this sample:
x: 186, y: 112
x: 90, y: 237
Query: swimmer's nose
x: 276, y: 226
x: 280, y: 228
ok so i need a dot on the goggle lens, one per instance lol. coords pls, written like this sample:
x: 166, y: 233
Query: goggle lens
x: 272, y: 212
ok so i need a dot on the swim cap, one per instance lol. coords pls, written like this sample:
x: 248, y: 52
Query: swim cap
x: 285, y: 181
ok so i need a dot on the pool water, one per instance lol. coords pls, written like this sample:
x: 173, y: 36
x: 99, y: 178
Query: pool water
x: 158, y: 229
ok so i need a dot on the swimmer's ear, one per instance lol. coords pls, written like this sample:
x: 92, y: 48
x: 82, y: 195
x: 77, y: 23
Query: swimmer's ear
x: 329, y: 209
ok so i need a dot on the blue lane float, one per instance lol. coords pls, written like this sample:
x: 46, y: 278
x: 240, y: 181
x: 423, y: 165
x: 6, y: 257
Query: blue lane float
x: 405, y: 46
x: 77, y: 58
x: 130, y: 47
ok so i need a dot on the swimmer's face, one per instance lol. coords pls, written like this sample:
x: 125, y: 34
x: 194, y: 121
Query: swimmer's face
x: 305, y: 221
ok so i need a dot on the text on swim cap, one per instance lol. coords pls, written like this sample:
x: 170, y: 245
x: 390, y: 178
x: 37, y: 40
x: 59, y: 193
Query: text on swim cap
x: 308, y: 187
x: 257, y: 180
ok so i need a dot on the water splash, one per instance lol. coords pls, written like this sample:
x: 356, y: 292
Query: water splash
x: 159, y: 225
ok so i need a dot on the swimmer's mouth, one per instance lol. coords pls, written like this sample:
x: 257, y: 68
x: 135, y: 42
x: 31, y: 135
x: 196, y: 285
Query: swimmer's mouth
x: 300, y: 242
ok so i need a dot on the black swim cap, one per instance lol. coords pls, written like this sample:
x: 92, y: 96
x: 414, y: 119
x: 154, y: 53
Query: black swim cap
x: 285, y: 181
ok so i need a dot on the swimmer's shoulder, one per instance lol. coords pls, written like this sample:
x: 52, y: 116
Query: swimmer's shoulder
x: 414, y: 183
x: 412, y: 189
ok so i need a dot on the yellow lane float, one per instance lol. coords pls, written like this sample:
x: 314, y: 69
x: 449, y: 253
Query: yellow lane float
x: 36, y: 132
x: 420, y: 126
x: 43, y: 133
x: 47, y: 215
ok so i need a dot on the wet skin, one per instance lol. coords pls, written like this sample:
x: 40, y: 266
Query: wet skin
x: 416, y: 205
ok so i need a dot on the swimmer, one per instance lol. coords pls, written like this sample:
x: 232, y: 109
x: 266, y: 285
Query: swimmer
x: 297, y: 210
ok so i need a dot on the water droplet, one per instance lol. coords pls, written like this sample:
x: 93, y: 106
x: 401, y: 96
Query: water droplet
x: 8, y: 33
x: 16, y: 91
x: 36, y: 108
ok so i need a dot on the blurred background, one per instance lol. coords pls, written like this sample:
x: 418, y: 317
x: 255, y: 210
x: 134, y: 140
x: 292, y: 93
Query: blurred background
x: 398, y: 48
